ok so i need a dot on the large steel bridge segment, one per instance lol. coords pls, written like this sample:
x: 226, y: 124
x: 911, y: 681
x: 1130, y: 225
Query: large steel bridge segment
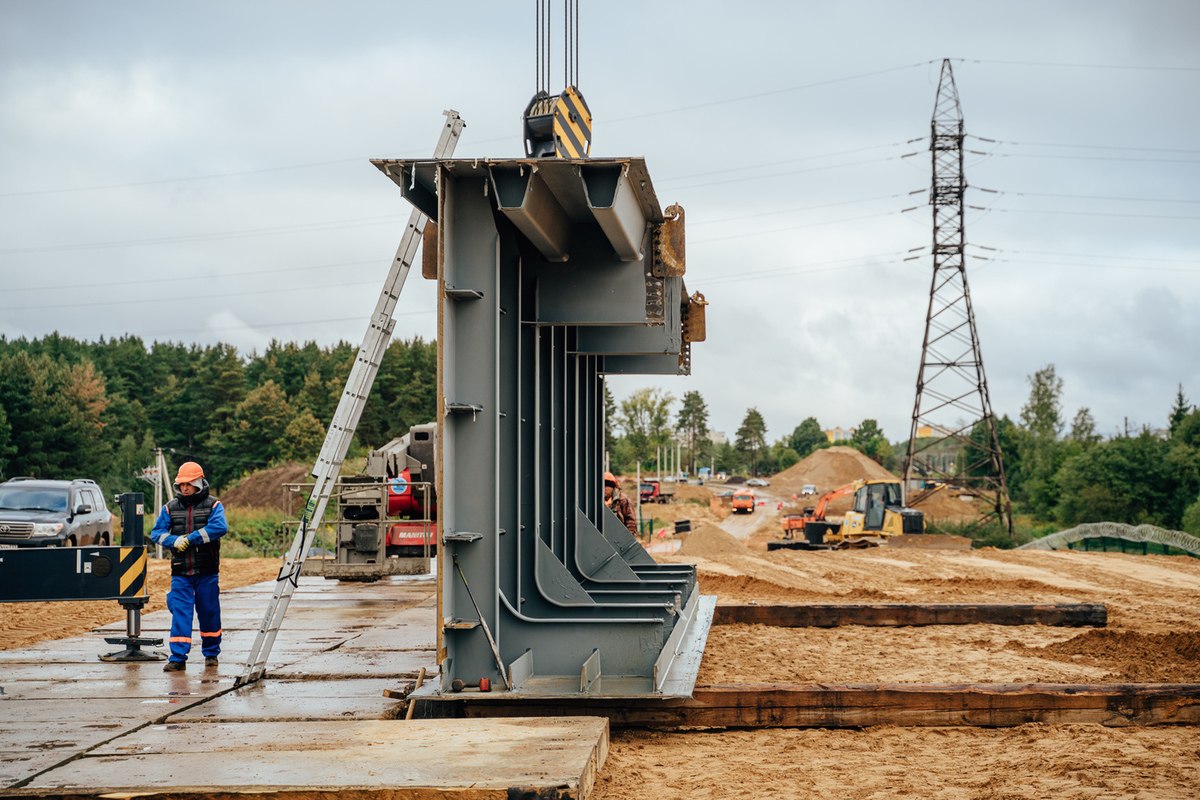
x: 551, y: 274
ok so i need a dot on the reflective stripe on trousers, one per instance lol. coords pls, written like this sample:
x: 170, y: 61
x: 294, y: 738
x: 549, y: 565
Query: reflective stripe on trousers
x: 194, y: 596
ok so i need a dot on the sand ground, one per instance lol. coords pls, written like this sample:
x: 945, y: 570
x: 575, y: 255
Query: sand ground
x: 1153, y: 636
x: 25, y: 624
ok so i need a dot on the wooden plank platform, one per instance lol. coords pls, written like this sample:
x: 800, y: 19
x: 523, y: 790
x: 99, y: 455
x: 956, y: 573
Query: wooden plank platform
x: 991, y: 705
x: 475, y: 759
x: 832, y: 615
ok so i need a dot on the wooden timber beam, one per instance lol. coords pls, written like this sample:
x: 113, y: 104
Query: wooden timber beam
x: 988, y: 705
x: 832, y: 615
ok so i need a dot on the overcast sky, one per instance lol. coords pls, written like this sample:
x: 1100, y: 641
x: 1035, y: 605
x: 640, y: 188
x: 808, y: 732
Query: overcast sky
x: 199, y: 173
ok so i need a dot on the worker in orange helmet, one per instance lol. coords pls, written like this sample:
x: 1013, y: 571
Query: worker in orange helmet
x: 619, y: 504
x: 192, y: 525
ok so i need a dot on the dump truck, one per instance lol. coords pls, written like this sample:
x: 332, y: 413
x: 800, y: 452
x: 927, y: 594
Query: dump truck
x: 743, y: 501
x: 653, y: 490
x: 878, y: 514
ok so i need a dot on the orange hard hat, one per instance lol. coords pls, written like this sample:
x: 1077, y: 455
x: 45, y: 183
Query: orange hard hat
x: 188, y: 471
x: 610, y: 478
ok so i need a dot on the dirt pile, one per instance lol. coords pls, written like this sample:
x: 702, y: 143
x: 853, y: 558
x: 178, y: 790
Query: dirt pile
x: 1135, y: 657
x: 266, y: 488
x: 709, y: 541
x: 828, y: 469
x: 948, y: 505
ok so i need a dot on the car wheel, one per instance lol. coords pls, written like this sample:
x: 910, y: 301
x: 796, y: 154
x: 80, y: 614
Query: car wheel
x: 70, y: 541
x: 104, y: 540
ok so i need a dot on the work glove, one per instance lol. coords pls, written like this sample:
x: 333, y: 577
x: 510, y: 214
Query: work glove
x: 181, y: 543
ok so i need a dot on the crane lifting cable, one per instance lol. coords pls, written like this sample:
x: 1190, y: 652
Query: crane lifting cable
x: 557, y: 126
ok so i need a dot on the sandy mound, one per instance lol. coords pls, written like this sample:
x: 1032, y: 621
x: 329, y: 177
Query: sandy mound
x: 828, y: 469
x: 1135, y: 657
x: 265, y: 488
x: 948, y: 506
x: 709, y: 541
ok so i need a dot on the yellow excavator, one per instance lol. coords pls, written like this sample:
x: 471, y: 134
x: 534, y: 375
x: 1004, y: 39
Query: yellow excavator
x: 878, y: 515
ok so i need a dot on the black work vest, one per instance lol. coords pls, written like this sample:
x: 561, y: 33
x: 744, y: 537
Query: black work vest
x: 198, y: 559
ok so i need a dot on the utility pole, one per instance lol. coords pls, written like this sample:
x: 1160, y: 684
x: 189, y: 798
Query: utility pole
x: 952, y: 405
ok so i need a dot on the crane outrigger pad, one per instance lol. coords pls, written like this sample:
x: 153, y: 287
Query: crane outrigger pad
x: 551, y: 275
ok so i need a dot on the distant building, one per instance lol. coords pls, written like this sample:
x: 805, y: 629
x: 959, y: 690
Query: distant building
x: 932, y: 431
x: 839, y: 435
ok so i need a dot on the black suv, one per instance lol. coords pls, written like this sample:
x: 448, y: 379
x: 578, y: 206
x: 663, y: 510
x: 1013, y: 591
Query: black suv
x: 38, y: 513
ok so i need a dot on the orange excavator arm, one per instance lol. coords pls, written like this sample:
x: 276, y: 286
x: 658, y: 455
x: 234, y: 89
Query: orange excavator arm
x: 829, y: 497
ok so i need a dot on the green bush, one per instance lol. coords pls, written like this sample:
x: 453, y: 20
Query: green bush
x: 255, y: 532
x: 991, y: 534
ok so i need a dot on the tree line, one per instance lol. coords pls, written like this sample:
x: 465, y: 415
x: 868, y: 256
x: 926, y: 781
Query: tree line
x: 73, y: 409
x: 642, y: 425
x: 1071, y: 474
x: 1057, y: 474
x: 97, y: 409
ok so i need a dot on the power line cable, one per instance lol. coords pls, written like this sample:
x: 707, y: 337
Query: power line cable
x: 256, y: 326
x: 1130, y: 267
x: 745, y: 167
x: 754, y: 277
x: 204, y: 237
x: 1084, y: 196
x: 791, y: 268
x: 1085, y: 255
x: 1078, y: 66
x: 208, y: 277
x: 769, y: 93
x: 309, y: 165
x: 388, y: 219
x: 785, y: 174
x: 1094, y: 158
x: 1081, y: 213
x: 793, y: 227
x: 222, y: 296
x: 676, y: 110
x: 1082, y: 146
x: 220, y: 175
x: 693, y: 222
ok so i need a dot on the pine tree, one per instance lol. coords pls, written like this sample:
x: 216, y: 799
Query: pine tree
x: 1179, y: 411
x: 751, y: 437
x: 693, y: 422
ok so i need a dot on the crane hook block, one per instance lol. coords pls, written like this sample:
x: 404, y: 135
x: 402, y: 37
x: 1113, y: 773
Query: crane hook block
x: 558, y: 127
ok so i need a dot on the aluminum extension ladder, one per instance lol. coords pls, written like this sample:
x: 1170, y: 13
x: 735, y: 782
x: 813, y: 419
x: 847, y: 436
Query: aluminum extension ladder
x: 345, y: 420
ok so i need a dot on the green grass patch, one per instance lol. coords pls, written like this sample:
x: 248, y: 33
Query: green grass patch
x: 991, y: 534
x: 256, y: 532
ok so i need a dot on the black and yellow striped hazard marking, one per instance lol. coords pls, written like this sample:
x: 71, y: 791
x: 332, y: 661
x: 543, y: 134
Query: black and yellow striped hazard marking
x: 572, y: 125
x: 132, y: 570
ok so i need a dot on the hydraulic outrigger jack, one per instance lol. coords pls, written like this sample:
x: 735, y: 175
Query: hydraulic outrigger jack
x: 131, y: 536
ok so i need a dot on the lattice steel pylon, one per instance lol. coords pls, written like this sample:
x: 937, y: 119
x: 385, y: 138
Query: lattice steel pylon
x: 952, y: 409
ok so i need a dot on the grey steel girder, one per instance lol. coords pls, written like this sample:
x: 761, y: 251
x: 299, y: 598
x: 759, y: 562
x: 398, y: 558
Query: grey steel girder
x: 550, y: 276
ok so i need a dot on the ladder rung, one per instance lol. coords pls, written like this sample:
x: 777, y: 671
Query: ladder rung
x: 462, y: 536
x: 463, y: 408
x: 463, y: 294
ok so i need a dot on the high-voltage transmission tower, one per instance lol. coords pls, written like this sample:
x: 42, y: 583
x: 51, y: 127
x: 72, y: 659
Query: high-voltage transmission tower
x: 953, y: 435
